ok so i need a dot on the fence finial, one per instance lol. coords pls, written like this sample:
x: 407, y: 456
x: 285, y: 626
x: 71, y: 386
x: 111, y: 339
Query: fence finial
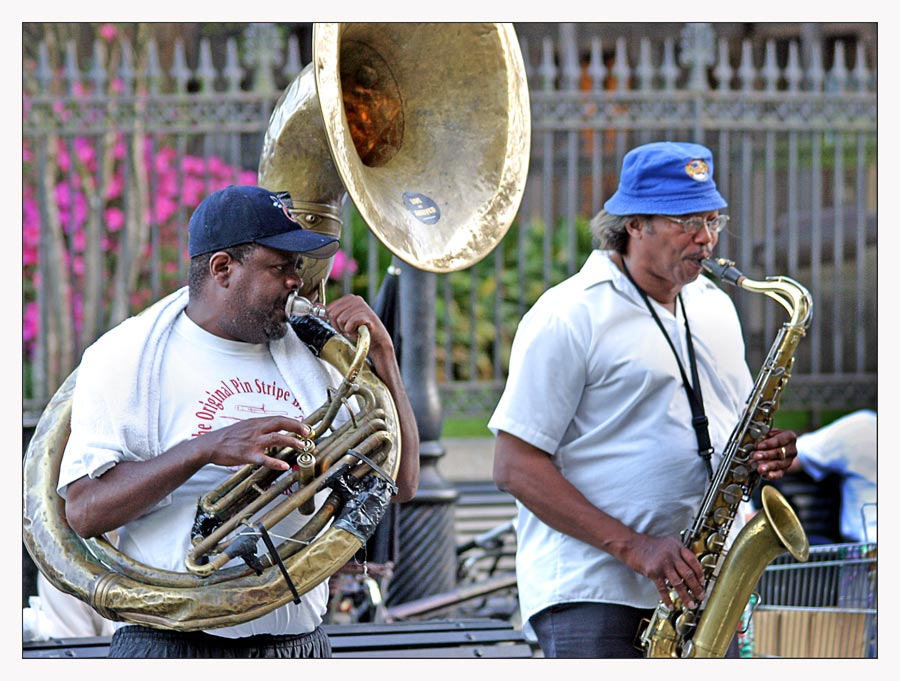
x: 644, y: 68
x: 669, y: 68
x: 770, y: 71
x: 127, y: 73
x: 838, y: 76
x: 154, y: 70
x: 180, y: 72
x: 793, y: 74
x: 621, y: 70
x: 596, y: 67
x: 568, y: 45
x: 697, y: 42
x: 206, y: 72
x: 71, y: 71
x: 262, y: 52
x: 548, y: 65
x: 861, y: 73
x: 98, y: 69
x: 747, y: 71
x: 723, y: 71
x: 292, y: 64
x: 815, y: 71
x: 232, y: 72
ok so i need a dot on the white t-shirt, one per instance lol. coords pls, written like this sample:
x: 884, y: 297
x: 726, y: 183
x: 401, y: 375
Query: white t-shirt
x: 593, y: 382
x: 207, y: 383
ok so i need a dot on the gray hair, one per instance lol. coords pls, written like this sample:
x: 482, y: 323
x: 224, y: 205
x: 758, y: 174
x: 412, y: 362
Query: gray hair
x: 610, y: 231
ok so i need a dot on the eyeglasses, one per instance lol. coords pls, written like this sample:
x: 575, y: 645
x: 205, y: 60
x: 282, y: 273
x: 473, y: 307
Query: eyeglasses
x: 694, y: 224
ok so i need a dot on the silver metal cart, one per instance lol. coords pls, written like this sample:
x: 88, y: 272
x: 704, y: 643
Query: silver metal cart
x: 823, y: 608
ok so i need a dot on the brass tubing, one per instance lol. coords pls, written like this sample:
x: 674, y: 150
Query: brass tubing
x: 306, y: 471
x: 365, y: 440
x: 243, y: 484
x: 335, y: 449
x: 275, y: 515
x: 231, y: 524
x: 772, y: 531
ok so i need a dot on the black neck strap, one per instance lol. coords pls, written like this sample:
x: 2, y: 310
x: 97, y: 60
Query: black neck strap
x: 691, y: 389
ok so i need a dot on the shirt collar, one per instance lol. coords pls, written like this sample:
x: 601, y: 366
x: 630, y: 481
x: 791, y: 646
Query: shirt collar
x: 599, y: 268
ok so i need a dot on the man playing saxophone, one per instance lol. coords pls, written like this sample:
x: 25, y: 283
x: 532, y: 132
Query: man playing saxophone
x: 625, y: 383
x: 211, y: 378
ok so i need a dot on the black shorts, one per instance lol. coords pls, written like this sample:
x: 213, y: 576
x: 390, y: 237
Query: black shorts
x: 145, y: 642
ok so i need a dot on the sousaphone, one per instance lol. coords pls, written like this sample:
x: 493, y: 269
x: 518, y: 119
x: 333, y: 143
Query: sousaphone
x: 426, y: 127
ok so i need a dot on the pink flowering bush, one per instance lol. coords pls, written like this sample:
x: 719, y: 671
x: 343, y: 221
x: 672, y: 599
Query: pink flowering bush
x: 104, y: 214
x: 343, y: 265
x: 178, y: 185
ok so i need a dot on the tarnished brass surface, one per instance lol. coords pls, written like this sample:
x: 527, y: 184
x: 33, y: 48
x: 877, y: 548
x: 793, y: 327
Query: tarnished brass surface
x: 426, y: 127
x: 123, y: 589
x: 772, y: 531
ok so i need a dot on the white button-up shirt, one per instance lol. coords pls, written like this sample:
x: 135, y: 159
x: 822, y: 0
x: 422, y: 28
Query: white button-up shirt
x: 593, y: 382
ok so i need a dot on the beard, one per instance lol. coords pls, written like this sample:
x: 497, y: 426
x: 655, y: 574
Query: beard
x: 274, y: 329
x: 257, y: 325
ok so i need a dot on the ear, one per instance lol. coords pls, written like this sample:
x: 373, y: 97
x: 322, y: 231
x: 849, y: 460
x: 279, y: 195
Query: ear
x: 221, y: 268
x: 634, y: 226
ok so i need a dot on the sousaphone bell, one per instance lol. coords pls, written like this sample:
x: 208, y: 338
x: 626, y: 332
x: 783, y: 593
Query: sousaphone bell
x: 426, y: 127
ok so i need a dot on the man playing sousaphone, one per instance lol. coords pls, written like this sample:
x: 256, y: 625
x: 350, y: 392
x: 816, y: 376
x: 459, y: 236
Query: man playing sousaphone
x: 211, y: 378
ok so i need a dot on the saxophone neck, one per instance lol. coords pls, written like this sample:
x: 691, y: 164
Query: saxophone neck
x: 787, y: 292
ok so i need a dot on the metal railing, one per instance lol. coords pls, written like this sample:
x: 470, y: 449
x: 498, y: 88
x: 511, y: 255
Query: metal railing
x: 825, y: 607
x: 122, y: 140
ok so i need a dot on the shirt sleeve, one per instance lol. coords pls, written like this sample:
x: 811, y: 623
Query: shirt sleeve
x: 546, y: 378
x: 93, y: 445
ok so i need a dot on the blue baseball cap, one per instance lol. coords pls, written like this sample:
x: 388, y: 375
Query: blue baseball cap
x: 671, y: 178
x: 241, y: 214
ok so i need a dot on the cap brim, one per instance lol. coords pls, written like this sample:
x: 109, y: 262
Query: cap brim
x: 310, y: 244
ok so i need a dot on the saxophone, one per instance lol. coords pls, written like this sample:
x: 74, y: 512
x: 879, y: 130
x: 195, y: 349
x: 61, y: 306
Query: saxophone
x: 730, y: 575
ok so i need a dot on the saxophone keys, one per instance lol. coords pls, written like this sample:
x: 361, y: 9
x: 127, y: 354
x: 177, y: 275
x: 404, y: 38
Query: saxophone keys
x: 740, y: 473
x: 721, y: 516
x: 759, y: 429
x: 733, y: 494
x: 708, y: 562
x: 686, y: 621
x: 715, y: 542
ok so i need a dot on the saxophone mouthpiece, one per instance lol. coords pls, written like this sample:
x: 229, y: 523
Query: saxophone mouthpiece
x: 724, y: 269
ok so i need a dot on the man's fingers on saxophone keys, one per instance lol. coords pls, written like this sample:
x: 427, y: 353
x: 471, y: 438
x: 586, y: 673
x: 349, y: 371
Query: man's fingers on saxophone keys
x: 685, y: 592
x: 663, y: 587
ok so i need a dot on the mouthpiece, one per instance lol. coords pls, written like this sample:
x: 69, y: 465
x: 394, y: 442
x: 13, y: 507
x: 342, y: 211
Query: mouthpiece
x: 298, y: 306
x: 724, y: 269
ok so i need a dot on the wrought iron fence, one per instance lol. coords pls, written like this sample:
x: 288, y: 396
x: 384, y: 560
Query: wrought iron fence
x: 121, y: 141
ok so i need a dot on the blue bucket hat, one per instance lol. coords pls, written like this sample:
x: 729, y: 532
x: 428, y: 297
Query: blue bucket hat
x: 241, y: 214
x: 670, y: 178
